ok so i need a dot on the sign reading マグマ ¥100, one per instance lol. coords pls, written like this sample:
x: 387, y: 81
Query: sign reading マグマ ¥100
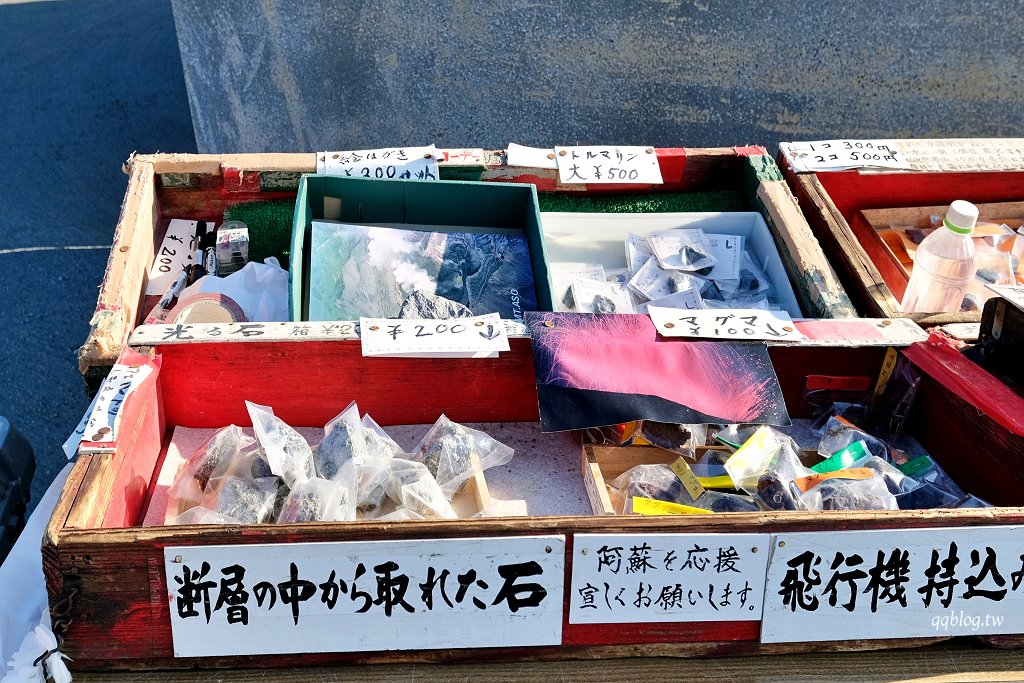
x: 365, y: 596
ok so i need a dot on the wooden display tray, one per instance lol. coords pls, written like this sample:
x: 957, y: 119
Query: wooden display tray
x: 107, y: 575
x: 832, y: 200
x: 165, y: 186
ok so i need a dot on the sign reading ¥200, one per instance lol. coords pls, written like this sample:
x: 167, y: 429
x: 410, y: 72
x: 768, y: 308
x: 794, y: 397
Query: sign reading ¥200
x: 365, y: 596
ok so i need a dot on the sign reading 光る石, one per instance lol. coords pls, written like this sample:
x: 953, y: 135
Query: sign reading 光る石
x: 894, y: 583
x: 643, y: 578
x: 390, y: 163
x: 597, y: 164
x: 365, y: 596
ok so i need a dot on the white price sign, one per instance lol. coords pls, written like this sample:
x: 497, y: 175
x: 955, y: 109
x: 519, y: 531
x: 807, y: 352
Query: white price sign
x: 389, y: 163
x: 100, y: 422
x: 482, y: 336
x: 176, y: 251
x: 646, y: 578
x: 365, y: 596
x: 721, y: 323
x: 1012, y: 293
x: 894, y: 583
x: 838, y: 155
x: 599, y: 165
x: 530, y: 157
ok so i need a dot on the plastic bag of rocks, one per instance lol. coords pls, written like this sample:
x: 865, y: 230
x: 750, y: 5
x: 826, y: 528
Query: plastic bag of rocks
x: 894, y: 479
x: 935, y: 488
x: 764, y: 466
x: 657, y: 482
x: 678, y: 438
x: 343, y: 443
x: 284, y: 449
x: 734, y: 435
x: 373, y: 471
x: 411, y: 485
x: 719, y: 501
x: 246, y: 499
x: 453, y: 453
x: 322, y: 500
x: 849, y: 489
x: 222, y: 448
x: 839, y: 433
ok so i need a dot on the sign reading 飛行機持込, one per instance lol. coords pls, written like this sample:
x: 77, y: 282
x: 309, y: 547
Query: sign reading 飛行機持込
x: 365, y: 596
x: 894, y: 583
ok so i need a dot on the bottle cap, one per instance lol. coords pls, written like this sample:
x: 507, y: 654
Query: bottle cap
x: 961, y: 217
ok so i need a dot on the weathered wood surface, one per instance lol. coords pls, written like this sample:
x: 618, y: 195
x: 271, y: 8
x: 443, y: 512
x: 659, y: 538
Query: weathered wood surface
x: 956, y: 661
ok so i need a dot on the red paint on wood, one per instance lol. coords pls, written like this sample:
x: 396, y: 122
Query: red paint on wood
x: 853, y: 191
x: 238, y: 180
x: 881, y: 255
x: 826, y: 329
x: 750, y: 151
x: 940, y: 359
x: 639, y: 634
x: 309, y: 383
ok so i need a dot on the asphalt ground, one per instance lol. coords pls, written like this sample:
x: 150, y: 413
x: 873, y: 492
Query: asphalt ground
x: 83, y: 83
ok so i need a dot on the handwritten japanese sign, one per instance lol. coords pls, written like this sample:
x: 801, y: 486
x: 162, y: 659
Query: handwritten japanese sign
x: 596, y: 164
x: 482, y: 336
x: 176, y: 251
x: 1012, y: 293
x: 468, y: 156
x: 391, y: 163
x: 837, y: 155
x: 719, y: 323
x: 99, y: 425
x: 629, y: 579
x: 905, y: 583
x: 365, y: 596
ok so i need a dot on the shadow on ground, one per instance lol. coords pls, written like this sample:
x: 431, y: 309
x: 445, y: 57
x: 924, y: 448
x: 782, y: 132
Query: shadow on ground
x: 85, y: 83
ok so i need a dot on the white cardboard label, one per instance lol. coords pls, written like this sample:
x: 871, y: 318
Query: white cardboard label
x: 365, y: 596
x: 482, y: 336
x: 894, y: 583
x: 635, y: 579
x: 99, y: 425
x: 176, y: 251
x: 598, y: 165
x: 1012, y: 293
x: 468, y: 156
x: 728, y: 249
x: 718, y: 323
x: 396, y: 163
x: 838, y: 155
x: 530, y: 157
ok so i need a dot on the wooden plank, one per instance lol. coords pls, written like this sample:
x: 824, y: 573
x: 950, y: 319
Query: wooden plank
x: 126, y: 272
x: 812, y: 276
x: 920, y: 216
x: 863, y: 281
x: 953, y: 662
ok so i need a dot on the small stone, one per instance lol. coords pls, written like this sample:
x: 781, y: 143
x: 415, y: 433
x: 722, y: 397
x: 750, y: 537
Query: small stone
x: 970, y: 303
x: 454, y: 448
x: 569, y: 301
x: 988, y: 275
x: 224, y: 444
x: 711, y: 292
x: 691, y: 256
x: 603, y: 304
x: 423, y: 306
x: 245, y: 501
x: 334, y: 450
x: 749, y: 281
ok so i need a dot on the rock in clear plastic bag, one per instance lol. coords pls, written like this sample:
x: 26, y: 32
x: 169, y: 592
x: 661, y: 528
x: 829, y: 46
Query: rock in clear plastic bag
x: 765, y: 466
x: 224, y: 446
x: 410, y: 485
x: 657, y: 482
x: 378, y: 443
x: 372, y: 476
x: 284, y: 449
x: 850, y: 494
x: 250, y: 501
x: 202, y: 515
x: 453, y: 453
x: 895, y: 481
x: 839, y: 433
x: 851, y: 412
x: 322, y: 500
x: 678, y: 438
x: 717, y: 501
x: 343, y: 442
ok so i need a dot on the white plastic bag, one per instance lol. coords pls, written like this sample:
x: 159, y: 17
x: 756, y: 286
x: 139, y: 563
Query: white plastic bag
x: 287, y: 453
x: 453, y: 452
x: 343, y: 442
x: 322, y: 500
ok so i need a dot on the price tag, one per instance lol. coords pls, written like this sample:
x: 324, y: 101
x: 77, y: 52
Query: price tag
x: 101, y: 420
x: 175, y: 252
x: 530, y: 157
x: 464, y: 157
x: 839, y: 155
x: 1012, y: 293
x: 394, y: 163
x: 718, y: 323
x: 599, y: 165
x: 687, y: 478
x: 483, y: 336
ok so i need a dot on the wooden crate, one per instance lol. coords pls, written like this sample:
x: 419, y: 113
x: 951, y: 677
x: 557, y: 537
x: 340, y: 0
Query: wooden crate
x: 106, y: 575
x: 165, y: 186
x: 843, y: 207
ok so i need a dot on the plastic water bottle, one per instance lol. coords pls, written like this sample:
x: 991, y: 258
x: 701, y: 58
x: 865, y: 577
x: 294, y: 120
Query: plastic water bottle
x: 944, y: 264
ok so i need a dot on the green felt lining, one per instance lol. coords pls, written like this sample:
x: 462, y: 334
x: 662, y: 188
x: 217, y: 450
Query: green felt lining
x: 666, y: 202
x: 270, y: 227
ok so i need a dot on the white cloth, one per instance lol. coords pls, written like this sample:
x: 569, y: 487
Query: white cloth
x: 22, y: 587
x: 259, y: 289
